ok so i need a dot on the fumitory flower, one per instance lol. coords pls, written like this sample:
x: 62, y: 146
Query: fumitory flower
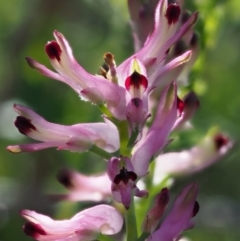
x: 82, y: 187
x: 121, y: 173
x: 207, y: 152
x: 77, y: 138
x: 178, y: 219
x: 85, y: 225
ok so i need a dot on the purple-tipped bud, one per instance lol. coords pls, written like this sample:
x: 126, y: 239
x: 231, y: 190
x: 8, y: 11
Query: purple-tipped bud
x: 53, y: 50
x: 153, y: 216
x: 194, y: 40
x: 195, y: 209
x: 65, y: 178
x: 179, y: 48
x: 33, y: 230
x: 24, y: 125
x: 185, y: 16
x: 220, y: 141
x: 125, y: 176
x: 191, y: 100
x: 173, y: 13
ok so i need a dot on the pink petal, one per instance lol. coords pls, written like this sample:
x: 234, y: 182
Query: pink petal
x: 157, y: 135
x: 84, y: 225
x: 77, y: 137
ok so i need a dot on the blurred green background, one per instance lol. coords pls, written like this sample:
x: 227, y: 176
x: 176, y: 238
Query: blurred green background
x: 92, y: 28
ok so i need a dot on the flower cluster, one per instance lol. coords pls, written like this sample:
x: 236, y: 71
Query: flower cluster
x: 140, y: 109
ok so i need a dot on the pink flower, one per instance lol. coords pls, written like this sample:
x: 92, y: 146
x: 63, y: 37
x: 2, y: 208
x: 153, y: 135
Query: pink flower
x: 179, y: 219
x: 157, y: 135
x: 211, y: 149
x: 121, y: 173
x: 125, y: 98
x: 83, y: 226
x: 84, y: 188
x: 76, y: 138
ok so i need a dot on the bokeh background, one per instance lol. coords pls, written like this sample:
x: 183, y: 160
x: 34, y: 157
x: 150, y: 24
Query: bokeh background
x: 94, y: 27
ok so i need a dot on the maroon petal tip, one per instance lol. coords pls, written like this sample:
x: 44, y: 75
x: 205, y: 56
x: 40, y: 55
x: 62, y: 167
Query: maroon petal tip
x: 220, y: 141
x: 65, y: 178
x: 173, y: 13
x: 33, y: 229
x: 53, y: 50
x: 24, y: 125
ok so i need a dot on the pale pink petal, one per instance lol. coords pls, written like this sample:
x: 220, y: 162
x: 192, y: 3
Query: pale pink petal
x: 79, y: 137
x: 84, y: 188
x: 209, y: 151
x: 83, y: 226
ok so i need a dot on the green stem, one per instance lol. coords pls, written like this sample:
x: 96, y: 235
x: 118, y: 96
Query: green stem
x: 101, y: 152
x: 143, y: 237
x: 133, y: 138
x: 131, y: 223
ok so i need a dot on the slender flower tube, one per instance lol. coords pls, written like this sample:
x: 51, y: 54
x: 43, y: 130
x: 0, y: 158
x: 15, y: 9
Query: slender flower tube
x: 211, y: 149
x: 157, y: 135
x: 83, y: 188
x: 83, y: 226
x: 76, y: 138
x: 179, y: 219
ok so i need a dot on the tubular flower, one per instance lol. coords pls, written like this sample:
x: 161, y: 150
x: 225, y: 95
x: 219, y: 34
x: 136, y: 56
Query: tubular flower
x: 83, y: 226
x: 76, y: 138
x: 209, y: 151
x: 84, y: 188
x: 121, y: 173
x: 179, y: 219
x: 157, y: 135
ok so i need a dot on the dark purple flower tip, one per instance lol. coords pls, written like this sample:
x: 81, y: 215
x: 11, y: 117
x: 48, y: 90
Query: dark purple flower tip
x: 220, y: 141
x: 180, y: 48
x: 185, y: 16
x: 65, y: 178
x: 191, y: 100
x: 33, y: 229
x: 164, y: 197
x: 173, y: 13
x: 125, y: 176
x: 24, y: 125
x: 137, y: 102
x: 53, y: 50
x: 136, y: 80
x: 194, y: 40
x: 180, y: 106
x: 195, y: 209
